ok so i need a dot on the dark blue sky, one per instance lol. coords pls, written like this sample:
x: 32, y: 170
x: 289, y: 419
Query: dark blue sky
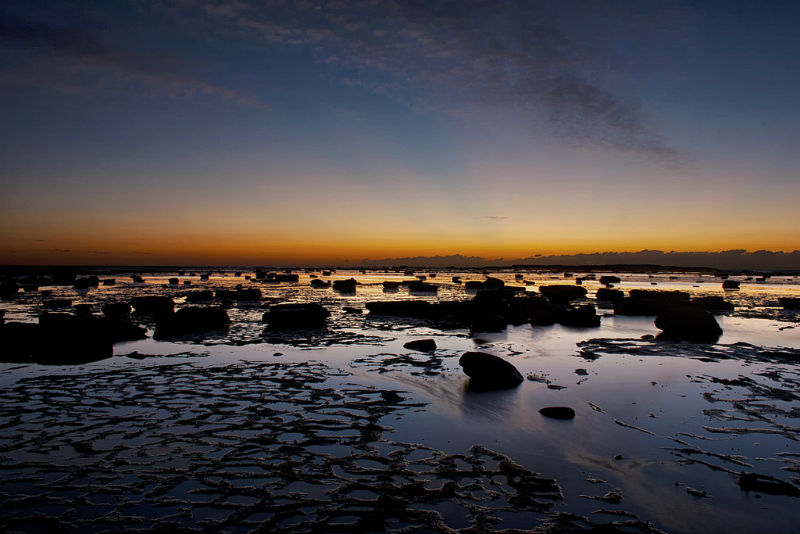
x: 490, y: 128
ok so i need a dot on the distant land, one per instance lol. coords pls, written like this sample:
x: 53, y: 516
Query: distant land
x: 737, y: 259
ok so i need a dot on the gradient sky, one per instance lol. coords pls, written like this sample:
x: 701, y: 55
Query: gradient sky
x: 243, y: 131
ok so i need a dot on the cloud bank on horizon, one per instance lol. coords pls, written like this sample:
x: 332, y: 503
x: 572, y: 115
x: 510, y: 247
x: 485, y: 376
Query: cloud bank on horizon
x: 726, y: 259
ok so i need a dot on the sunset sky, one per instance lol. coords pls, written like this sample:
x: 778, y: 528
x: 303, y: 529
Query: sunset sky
x: 250, y: 132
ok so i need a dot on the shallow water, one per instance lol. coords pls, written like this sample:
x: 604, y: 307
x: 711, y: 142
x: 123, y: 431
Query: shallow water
x: 239, y: 431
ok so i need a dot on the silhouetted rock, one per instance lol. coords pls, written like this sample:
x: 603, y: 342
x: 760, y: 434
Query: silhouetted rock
x: 713, y: 304
x: 422, y: 287
x: 488, y: 372
x: 790, y: 303
x: 650, y: 302
x: 421, y: 345
x: 319, y: 284
x: 579, y: 316
x: 109, y: 282
x: 767, y: 484
x: 137, y: 279
x: 203, y: 295
x: 294, y: 316
x: 730, y: 284
x: 281, y: 277
x: 541, y: 311
x: 153, y: 305
x: 609, y: 295
x: 391, y: 285
x: 191, y: 320
x: 8, y: 289
x: 399, y: 308
x: 83, y: 310
x: 352, y: 310
x: 345, y: 286
x: 62, y: 338
x: 609, y: 279
x: 49, y: 304
x: 63, y: 278
x: 558, y: 412
x: 561, y: 293
x: 117, y: 310
x: 688, y: 323
x: 173, y: 281
x: 493, y: 283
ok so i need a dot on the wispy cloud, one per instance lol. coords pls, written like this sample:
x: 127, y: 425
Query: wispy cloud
x: 495, y: 218
x: 465, y: 57
x: 61, y: 55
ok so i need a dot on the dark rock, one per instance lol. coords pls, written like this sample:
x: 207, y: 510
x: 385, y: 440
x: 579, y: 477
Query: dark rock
x: 316, y: 282
x: 493, y: 283
x: 8, y: 289
x: 609, y: 279
x: 713, y: 304
x: 561, y: 293
x: 56, y: 303
x: 558, y: 412
x: 790, y: 303
x: 117, y: 310
x: 345, y: 286
x: 203, y: 295
x: 352, y: 310
x: 767, y: 484
x: 109, y: 282
x: 422, y: 287
x: 473, y: 284
x: 488, y: 372
x: 609, y: 295
x: 191, y: 320
x: 63, y: 278
x: 688, y: 323
x: 295, y: 316
x: 541, y: 311
x: 421, y: 345
x: 153, y: 305
x: 579, y: 316
x: 173, y: 281
x: 83, y: 310
x: 281, y: 277
x: 730, y: 284
x: 391, y: 285
x: 137, y: 279
x: 650, y: 302
x: 400, y: 308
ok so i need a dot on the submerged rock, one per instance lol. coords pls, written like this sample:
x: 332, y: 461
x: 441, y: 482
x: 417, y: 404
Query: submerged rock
x: 191, y: 320
x: 421, y: 345
x: 295, y: 316
x: 558, y: 412
x: 489, y: 372
x: 688, y: 323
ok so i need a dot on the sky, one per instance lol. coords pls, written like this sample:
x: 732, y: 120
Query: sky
x: 305, y: 132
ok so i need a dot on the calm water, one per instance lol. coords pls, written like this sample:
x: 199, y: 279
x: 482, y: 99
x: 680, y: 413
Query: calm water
x: 662, y: 433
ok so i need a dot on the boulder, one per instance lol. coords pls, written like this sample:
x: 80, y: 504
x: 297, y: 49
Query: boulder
x: 714, y: 304
x: 56, y: 303
x: 541, y: 311
x: 562, y: 293
x: 493, y: 283
x: 352, y: 310
x: 8, y: 289
x: 790, y: 303
x: 295, y: 316
x: 609, y: 295
x: 319, y: 284
x: 173, y: 281
x: 578, y: 316
x: 153, y: 305
x: 137, y: 279
x: 421, y: 345
x: 558, y: 412
x: 391, y: 285
x: 345, y: 286
x: 191, y: 320
x: 422, y: 287
x: 730, y: 284
x: 109, y: 282
x: 609, y: 279
x: 117, y: 310
x: 399, y: 308
x: 203, y: 295
x: 688, y: 323
x: 650, y: 302
x: 489, y: 372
